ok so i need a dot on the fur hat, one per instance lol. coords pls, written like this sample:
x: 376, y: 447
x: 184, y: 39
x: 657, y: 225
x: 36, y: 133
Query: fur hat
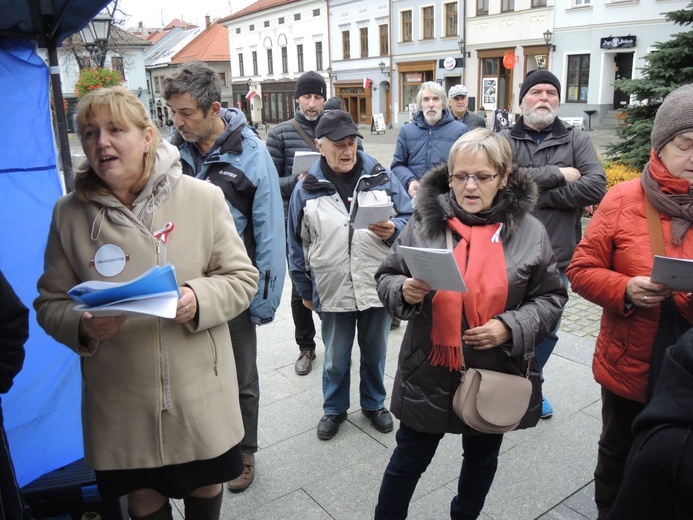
x: 311, y: 83
x: 336, y: 125
x: 535, y: 77
x: 673, y: 117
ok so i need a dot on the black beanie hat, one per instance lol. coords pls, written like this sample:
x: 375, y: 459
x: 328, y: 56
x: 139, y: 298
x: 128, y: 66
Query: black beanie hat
x: 535, y: 77
x: 311, y: 83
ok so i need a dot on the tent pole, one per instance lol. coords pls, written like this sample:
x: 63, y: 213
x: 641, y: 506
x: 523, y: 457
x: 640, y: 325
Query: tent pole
x: 60, y: 117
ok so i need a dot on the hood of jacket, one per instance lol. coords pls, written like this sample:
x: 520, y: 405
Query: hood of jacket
x: 445, y: 118
x: 433, y: 206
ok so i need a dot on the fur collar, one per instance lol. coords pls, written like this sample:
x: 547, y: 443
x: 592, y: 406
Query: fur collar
x: 433, y: 207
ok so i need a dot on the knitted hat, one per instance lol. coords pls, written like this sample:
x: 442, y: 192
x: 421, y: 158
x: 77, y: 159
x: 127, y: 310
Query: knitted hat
x: 332, y: 104
x: 673, y: 117
x: 311, y: 83
x: 535, y: 77
x: 457, y: 90
x: 336, y: 125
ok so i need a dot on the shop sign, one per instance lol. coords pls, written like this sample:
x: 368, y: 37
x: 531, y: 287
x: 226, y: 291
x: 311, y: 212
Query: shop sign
x: 449, y: 63
x: 413, y: 77
x: 617, y: 42
x: 353, y: 91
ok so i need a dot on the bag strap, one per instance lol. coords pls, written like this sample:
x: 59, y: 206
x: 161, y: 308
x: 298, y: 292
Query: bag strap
x: 304, y: 135
x: 654, y: 225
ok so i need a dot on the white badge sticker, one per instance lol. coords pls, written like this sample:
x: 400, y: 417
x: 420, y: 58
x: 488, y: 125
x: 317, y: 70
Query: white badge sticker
x: 109, y: 260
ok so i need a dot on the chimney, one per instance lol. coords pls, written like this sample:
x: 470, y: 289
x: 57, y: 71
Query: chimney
x: 207, y: 22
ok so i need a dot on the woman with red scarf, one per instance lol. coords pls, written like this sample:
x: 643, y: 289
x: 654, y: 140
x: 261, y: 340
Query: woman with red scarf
x: 611, y: 267
x: 514, y: 300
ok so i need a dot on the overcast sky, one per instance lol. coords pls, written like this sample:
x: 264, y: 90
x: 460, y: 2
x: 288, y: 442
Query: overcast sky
x: 157, y: 13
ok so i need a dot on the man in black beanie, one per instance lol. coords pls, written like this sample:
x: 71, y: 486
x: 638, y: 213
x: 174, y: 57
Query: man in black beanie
x: 567, y: 170
x: 283, y: 141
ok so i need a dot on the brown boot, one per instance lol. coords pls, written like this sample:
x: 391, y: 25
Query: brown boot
x: 197, y: 508
x: 304, y: 363
x: 160, y: 514
x: 242, y: 482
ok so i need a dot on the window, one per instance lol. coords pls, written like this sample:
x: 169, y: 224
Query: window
x: 581, y: 2
x: 299, y: 55
x: 297, y: 17
x: 507, y: 5
x: 363, y: 33
x: 316, y: 12
x: 251, y: 27
x: 451, y: 19
x: 241, y: 69
x: 238, y: 30
x: 428, y: 23
x: 384, y: 41
x: 482, y: 7
x: 222, y: 78
x: 117, y: 64
x: 266, y: 23
x: 285, y: 60
x: 281, y: 20
x: 157, y: 84
x: 318, y: 55
x: 406, y: 26
x: 254, y: 63
x: 346, y: 45
x: 270, y: 65
x: 538, y: 3
x: 578, y: 78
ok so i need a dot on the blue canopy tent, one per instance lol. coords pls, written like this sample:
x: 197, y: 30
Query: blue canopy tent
x: 42, y: 410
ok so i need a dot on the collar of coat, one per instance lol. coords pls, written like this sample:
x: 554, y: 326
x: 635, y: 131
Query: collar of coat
x: 433, y: 207
x: 559, y: 129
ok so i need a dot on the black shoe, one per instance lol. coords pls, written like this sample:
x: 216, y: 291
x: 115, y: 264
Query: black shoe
x: 329, y: 425
x: 395, y: 323
x: 380, y: 419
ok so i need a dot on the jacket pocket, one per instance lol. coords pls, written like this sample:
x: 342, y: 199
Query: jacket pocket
x: 212, y: 345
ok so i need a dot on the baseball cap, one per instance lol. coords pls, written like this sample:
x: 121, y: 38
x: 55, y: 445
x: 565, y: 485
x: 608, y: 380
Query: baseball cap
x: 336, y: 125
x: 457, y: 90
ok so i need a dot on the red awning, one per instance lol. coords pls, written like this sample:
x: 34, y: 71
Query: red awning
x: 250, y: 94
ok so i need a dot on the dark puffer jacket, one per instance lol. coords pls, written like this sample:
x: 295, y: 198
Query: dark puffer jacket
x: 422, y: 394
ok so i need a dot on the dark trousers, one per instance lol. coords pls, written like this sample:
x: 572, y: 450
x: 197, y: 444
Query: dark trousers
x: 303, y: 321
x: 412, y: 456
x: 12, y: 506
x: 615, y: 441
x: 244, y: 341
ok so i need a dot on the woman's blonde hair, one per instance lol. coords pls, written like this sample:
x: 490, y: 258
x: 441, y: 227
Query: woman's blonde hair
x: 495, y: 147
x: 126, y: 110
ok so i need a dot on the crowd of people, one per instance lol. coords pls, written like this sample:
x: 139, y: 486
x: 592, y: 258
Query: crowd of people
x: 170, y: 406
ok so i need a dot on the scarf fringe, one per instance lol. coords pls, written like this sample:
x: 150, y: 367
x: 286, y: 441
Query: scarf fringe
x: 446, y: 356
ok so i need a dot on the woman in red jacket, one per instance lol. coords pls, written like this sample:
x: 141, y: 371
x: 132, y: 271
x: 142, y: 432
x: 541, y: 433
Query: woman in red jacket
x: 611, y: 267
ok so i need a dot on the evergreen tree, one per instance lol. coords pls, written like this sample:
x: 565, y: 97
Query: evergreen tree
x: 668, y: 67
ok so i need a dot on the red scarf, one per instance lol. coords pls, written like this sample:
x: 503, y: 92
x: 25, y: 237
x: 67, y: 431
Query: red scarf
x: 668, y: 183
x: 479, y: 256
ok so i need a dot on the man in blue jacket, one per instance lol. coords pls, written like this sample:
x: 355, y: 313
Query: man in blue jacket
x: 217, y: 145
x: 425, y: 142
x: 332, y: 263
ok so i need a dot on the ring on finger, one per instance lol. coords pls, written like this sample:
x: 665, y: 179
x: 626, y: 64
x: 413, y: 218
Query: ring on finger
x: 644, y: 298
x: 187, y: 310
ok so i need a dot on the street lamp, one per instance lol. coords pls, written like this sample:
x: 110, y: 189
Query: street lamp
x: 95, y: 36
x: 382, y: 69
x: 463, y: 50
x: 547, y: 39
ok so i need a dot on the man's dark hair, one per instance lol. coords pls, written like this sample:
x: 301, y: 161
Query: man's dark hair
x: 198, y: 80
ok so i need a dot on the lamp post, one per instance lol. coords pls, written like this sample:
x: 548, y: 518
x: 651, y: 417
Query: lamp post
x: 95, y: 36
x: 463, y: 50
x: 329, y: 75
x: 547, y: 39
x: 384, y: 72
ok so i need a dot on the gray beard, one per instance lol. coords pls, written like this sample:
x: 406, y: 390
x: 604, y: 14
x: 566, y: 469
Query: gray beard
x: 538, y: 121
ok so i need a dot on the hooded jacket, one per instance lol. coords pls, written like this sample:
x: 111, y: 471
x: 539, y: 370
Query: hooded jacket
x: 421, y: 146
x: 422, y: 394
x: 330, y: 262
x: 157, y: 392
x: 240, y: 165
x: 560, y: 203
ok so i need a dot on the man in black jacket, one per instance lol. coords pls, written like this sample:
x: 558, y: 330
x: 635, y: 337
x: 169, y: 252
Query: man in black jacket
x: 14, y: 331
x: 283, y: 141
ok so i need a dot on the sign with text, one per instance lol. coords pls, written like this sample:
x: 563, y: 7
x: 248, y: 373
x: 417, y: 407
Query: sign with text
x: 378, y: 123
x: 617, y: 42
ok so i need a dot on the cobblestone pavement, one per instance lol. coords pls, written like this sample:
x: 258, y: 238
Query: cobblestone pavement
x: 581, y: 317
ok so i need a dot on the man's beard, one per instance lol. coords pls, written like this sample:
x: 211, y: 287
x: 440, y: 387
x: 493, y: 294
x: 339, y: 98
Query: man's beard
x: 311, y: 117
x: 540, y: 121
x: 433, y: 118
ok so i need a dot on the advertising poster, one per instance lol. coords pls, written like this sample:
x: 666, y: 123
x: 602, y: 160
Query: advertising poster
x: 490, y: 93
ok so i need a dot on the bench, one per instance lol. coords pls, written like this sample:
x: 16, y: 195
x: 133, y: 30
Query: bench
x: 577, y: 122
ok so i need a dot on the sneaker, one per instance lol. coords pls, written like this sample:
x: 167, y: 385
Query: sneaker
x: 304, y: 363
x: 242, y: 482
x: 380, y: 419
x: 546, y: 408
x: 329, y: 425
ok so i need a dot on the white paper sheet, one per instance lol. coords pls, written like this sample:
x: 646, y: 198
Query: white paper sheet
x: 303, y: 161
x: 436, y: 267
x: 163, y: 306
x: 675, y: 273
x: 372, y: 214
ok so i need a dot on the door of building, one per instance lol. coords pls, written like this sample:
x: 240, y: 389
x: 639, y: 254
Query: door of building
x: 623, y: 69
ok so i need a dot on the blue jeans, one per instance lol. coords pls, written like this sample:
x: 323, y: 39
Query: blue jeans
x: 338, y: 331
x: 412, y: 456
x: 544, y: 349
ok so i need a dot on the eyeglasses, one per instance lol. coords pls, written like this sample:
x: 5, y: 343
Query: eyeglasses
x: 482, y: 178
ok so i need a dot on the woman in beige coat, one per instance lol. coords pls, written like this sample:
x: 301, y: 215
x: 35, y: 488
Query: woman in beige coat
x: 160, y: 409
